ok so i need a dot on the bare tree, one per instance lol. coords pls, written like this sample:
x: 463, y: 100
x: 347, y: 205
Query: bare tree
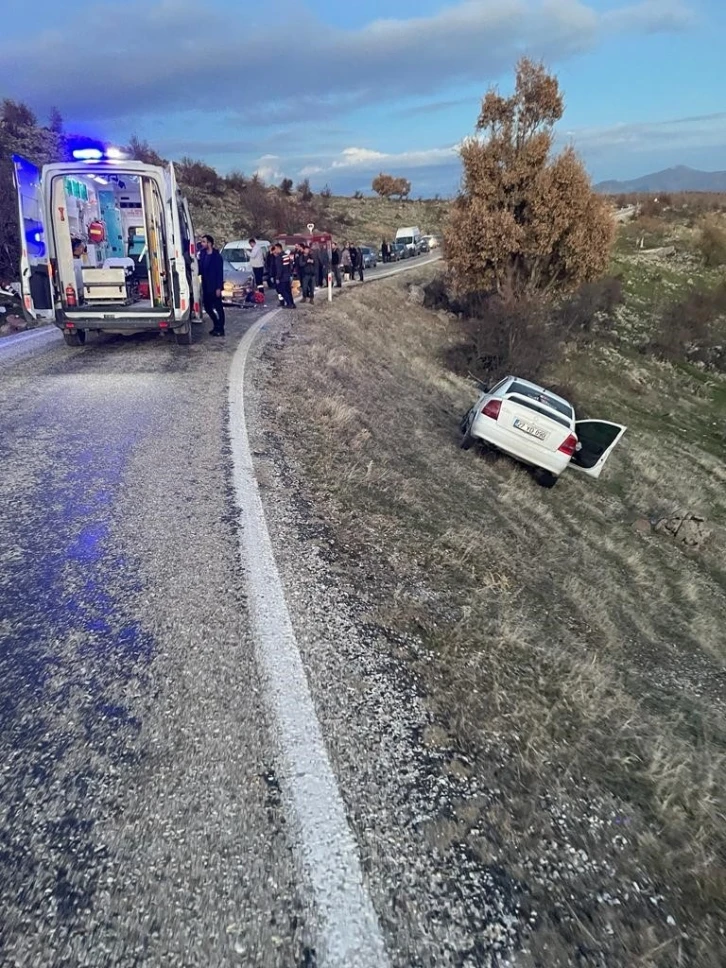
x: 55, y: 121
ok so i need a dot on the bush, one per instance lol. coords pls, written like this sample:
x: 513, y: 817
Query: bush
x: 693, y: 330
x: 508, y: 333
x: 387, y: 186
x: 236, y: 180
x: 197, y: 174
x: 712, y: 243
x: 304, y: 191
x: 525, y: 221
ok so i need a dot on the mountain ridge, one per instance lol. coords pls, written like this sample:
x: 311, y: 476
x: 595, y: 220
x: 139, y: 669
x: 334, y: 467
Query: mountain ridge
x: 681, y: 178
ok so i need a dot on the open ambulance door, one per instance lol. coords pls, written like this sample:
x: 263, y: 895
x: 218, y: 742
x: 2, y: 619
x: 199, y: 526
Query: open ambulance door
x: 193, y: 260
x: 185, y: 271
x: 597, y: 439
x: 35, y: 281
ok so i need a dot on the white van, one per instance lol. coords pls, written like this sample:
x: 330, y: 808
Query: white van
x: 237, y: 254
x: 107, y: 245
x: 411, y: 238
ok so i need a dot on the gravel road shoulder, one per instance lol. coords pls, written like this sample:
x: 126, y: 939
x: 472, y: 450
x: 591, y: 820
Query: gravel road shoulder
x: 438, y: 903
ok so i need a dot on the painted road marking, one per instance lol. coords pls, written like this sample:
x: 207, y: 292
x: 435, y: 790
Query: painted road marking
x: 346, y: 928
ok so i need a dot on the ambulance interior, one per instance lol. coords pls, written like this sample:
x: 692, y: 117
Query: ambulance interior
x: 109, y: 231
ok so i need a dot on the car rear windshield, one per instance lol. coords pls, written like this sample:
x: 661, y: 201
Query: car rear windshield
x: 535, y: 394
x: 236, y: 255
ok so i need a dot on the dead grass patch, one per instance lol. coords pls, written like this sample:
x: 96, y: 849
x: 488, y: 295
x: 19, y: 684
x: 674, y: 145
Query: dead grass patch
x: 577, y: 666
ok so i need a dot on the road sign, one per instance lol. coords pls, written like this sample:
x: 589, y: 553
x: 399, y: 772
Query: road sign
x: 311, y: 226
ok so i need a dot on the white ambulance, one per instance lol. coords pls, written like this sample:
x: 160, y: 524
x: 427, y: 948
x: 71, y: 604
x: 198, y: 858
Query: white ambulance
x: 107, y: 245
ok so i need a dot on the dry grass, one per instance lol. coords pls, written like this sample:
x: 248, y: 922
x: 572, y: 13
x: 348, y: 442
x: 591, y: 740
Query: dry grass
x: 576, y: 665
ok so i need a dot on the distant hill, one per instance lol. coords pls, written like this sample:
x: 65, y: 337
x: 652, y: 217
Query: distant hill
x: 679, y: 179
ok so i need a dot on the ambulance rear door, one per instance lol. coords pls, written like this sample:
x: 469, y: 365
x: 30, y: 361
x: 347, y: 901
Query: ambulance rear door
x: 35, y: 279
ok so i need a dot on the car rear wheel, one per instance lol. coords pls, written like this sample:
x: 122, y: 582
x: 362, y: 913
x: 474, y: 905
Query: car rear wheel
x: 77, y: 338
x: 545, y: 478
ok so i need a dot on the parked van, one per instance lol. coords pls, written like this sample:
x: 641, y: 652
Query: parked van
x: 410, y: 237
x: 237, y: 254
x: 107, y: 245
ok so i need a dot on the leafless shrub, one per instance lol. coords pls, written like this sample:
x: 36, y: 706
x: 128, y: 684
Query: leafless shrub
x: 200, y: 176
x: 712, y: 242
x: 694, y: 329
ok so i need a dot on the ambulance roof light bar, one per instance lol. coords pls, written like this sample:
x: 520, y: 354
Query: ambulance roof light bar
x: 97, y: 154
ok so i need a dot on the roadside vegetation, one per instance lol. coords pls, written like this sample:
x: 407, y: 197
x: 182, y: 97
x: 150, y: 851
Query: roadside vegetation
x: 575, y: 657
x: 229, y: 206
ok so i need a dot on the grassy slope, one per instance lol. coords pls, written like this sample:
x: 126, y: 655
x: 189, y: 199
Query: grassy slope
x: 362, y: 220
x: 576, y: 665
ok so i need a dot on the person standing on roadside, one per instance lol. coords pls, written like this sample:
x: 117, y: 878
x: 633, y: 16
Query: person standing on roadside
x: 355, y: 260
x: 309, y: 264
x: 385, y: 251
x: 257, y: 263
x: 270, y: 263
x: 359, y: 262
x: 212, y: 271
x: 283, y: 276
x: 346, y: 261
x: 323, y: 264
x: 335, y: 265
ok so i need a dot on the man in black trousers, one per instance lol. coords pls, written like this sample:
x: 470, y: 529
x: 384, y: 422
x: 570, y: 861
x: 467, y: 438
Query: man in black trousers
x: 212, y: 272
x: 284, y: 262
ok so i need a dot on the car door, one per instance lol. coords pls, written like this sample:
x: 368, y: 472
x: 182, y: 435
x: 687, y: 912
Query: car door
x: 597, y: 439
x: 35, y: 280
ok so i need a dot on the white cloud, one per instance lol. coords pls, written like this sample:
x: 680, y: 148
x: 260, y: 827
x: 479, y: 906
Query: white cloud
x: 268, y: 168
x: 358, y: 157
x: 699, y: 131
x: 310, y: 170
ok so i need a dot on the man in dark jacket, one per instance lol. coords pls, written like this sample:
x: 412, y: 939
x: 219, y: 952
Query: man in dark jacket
x: 335, y: 265
x: 356, y: 257
x: 270, y: 268
x: 385, y: 251
x: 283, y: 276
x: 212, y: 272
x: 321, y: 253
x: 309, y: 270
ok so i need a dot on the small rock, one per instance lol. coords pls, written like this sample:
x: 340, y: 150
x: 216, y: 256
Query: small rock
x: 642, y: 525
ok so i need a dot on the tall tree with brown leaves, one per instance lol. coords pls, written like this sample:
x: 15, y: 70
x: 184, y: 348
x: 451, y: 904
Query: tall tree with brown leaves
x: 525, y: 221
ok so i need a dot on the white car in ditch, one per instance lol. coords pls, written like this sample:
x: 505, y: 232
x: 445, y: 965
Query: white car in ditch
x: 539, y: 428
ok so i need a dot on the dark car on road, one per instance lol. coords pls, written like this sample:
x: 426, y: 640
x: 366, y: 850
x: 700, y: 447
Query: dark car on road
x: 370, y: 257
x: 399, y: 250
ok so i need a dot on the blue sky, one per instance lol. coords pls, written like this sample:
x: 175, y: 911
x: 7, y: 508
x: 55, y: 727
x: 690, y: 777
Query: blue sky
x: 338, y: 91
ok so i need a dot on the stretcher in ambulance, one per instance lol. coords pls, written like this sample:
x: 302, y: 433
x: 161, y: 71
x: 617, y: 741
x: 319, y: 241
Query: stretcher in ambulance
x: 107, y: 245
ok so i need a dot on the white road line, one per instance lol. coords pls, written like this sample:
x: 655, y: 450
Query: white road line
x: 347, y: 929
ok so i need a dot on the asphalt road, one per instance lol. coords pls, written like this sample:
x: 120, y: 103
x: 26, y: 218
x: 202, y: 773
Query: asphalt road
x: 141, y: 818
x: 140, y: 821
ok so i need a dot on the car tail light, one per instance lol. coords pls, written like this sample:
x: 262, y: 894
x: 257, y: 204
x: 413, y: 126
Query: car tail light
x: 492, y: 409
x: 568, y: 445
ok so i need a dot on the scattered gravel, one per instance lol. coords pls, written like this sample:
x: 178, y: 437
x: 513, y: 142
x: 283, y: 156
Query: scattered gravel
x: 140, y: 821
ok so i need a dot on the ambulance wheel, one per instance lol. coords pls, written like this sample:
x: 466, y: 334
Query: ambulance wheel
x: 78, y: 338
x: 184, y: 336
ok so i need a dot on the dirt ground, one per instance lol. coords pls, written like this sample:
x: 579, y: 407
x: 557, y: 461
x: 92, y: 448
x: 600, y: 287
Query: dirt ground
x: 570, y: 655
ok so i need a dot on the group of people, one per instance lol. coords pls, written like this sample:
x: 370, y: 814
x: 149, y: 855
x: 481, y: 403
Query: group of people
x: 309, y: 264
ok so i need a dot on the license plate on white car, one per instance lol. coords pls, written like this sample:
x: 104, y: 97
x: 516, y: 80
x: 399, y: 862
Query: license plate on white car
x: 530, y: 429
